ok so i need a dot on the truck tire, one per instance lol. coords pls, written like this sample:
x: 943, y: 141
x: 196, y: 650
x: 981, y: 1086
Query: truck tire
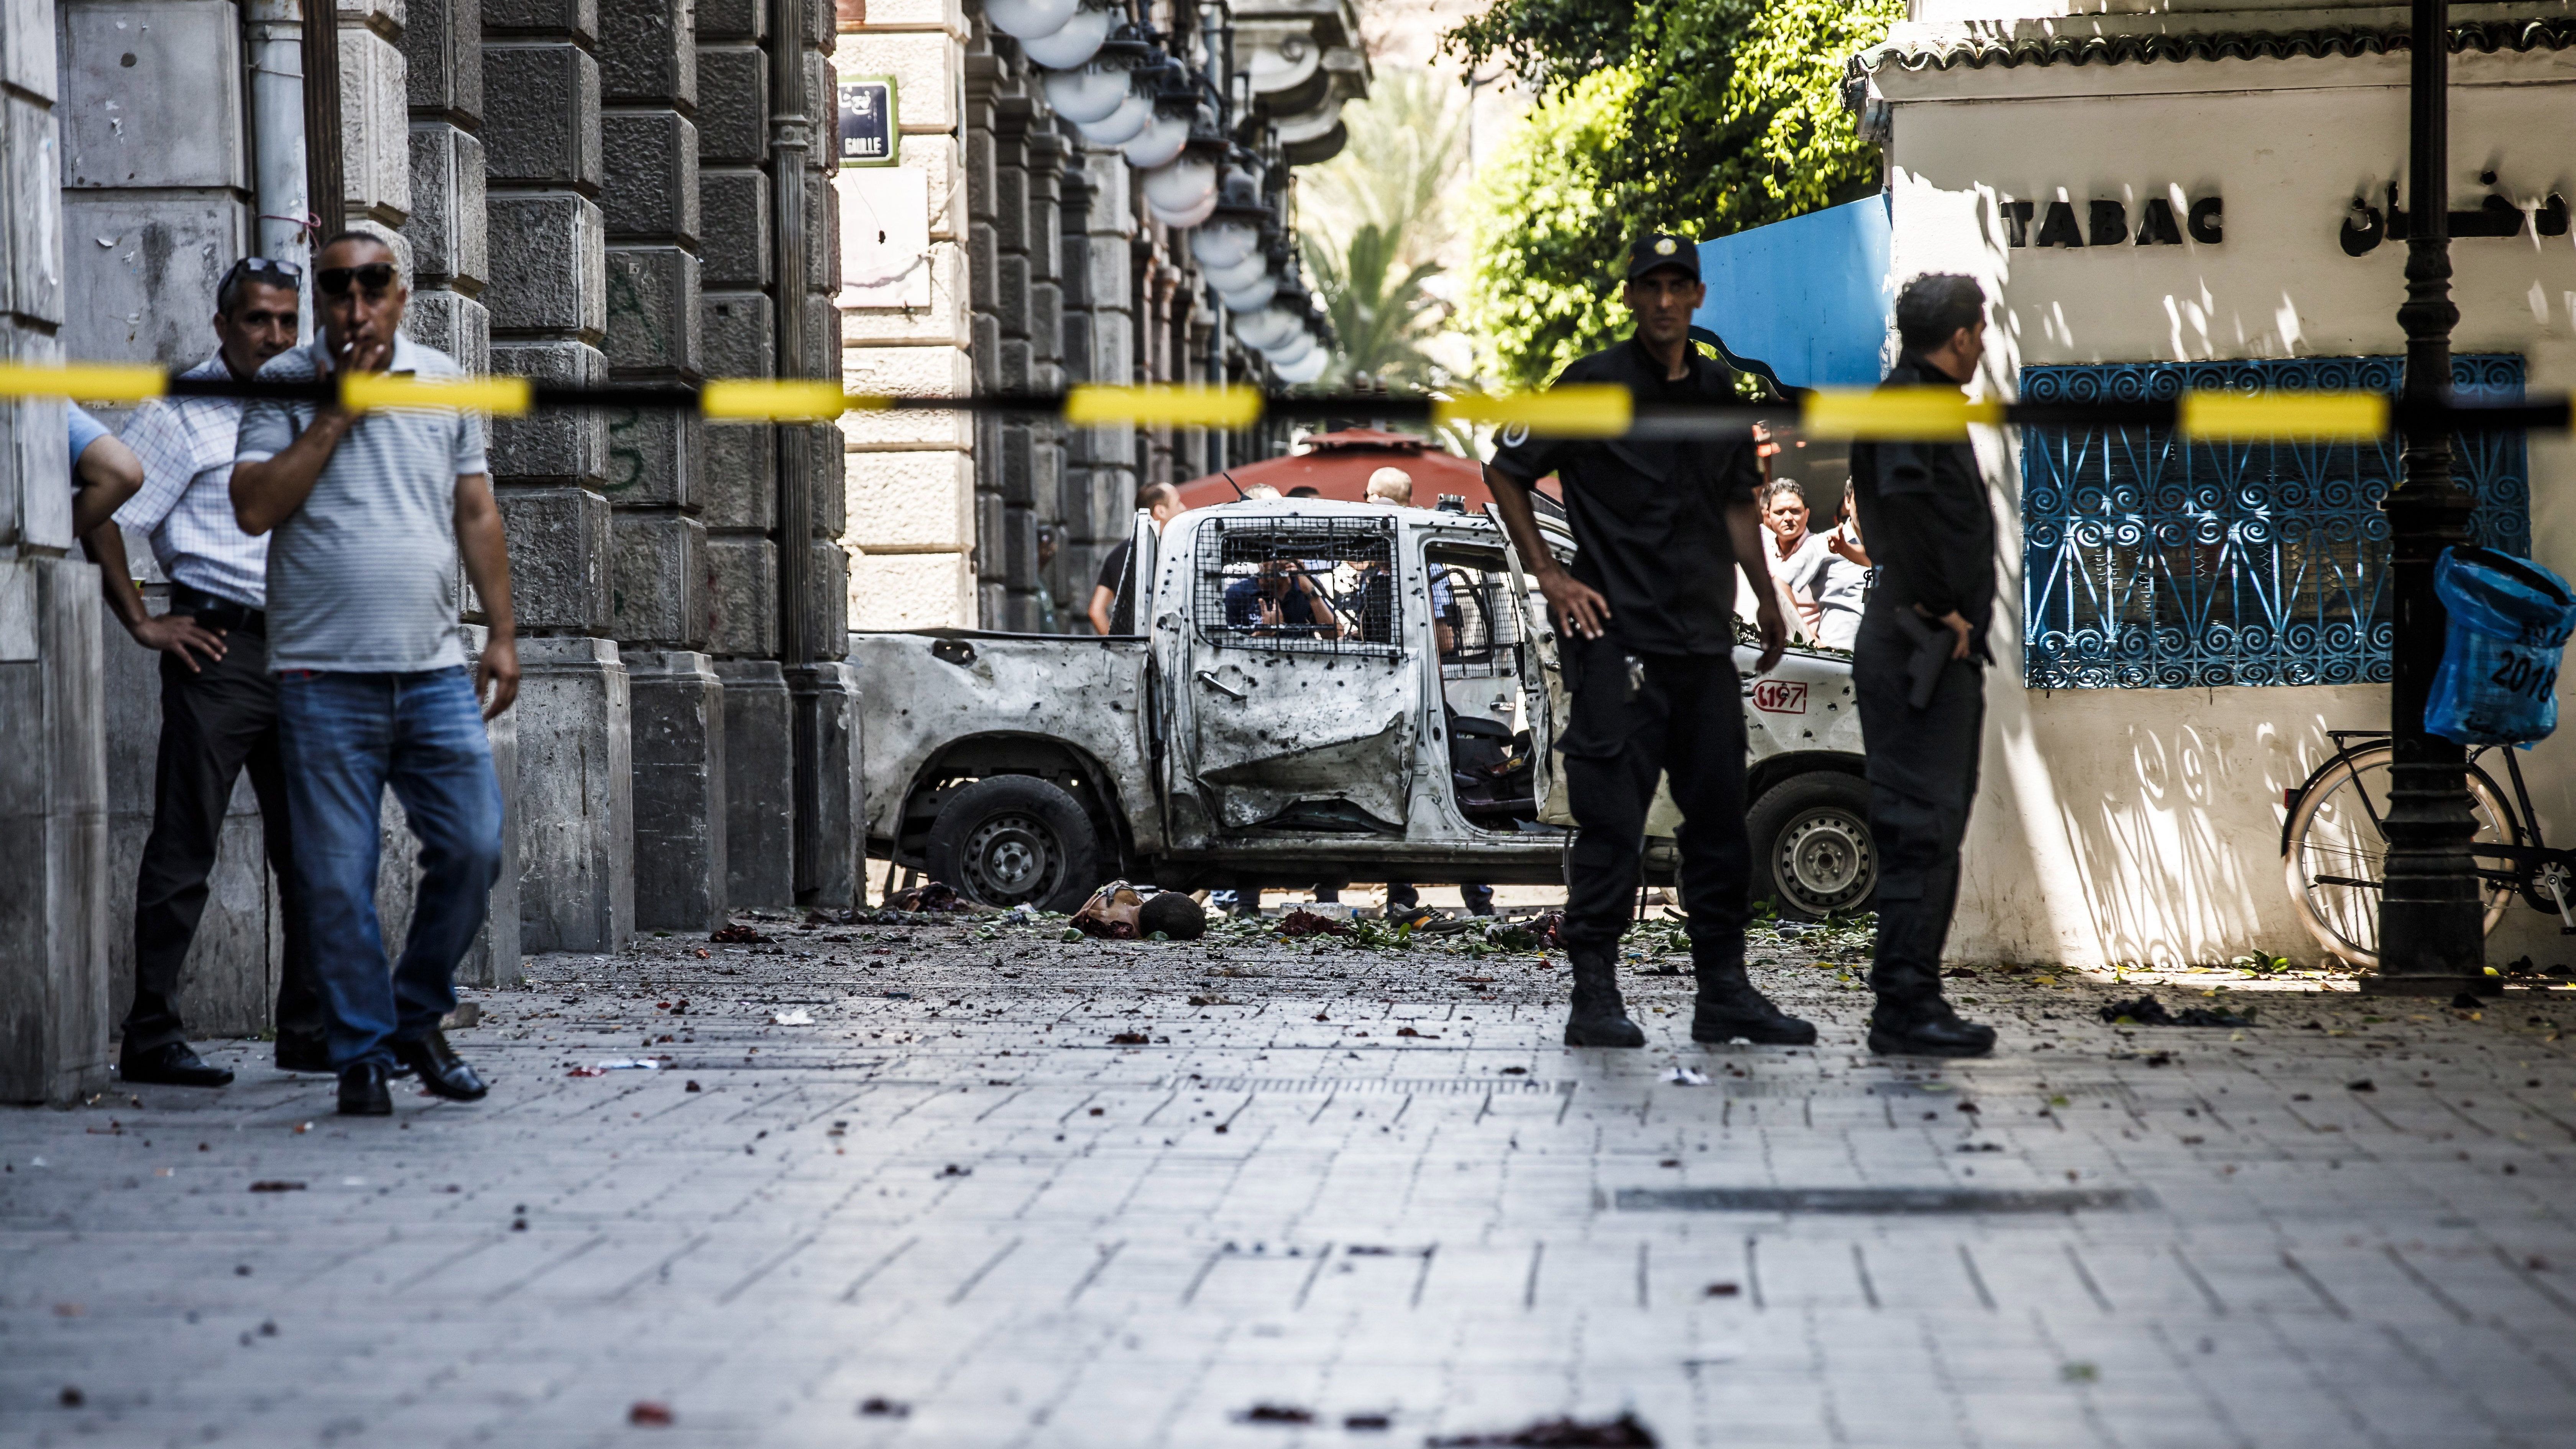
x: 1812, y: 852
x: 1008, y: 839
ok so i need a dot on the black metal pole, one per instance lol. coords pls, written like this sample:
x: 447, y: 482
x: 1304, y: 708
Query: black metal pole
x: 2432, y: 929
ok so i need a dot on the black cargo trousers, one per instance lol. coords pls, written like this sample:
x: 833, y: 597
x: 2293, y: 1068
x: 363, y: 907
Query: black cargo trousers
x: 1922, y: 769
x: 1636, y: 717
x: 216, y: 721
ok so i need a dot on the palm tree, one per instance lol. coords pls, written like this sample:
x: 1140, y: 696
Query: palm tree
x: 1375, y: 221
x: 1379, y: 316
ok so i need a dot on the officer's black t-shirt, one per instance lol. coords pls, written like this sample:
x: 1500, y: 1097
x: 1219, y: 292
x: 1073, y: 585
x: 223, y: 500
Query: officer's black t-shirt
x: 1649, y: 517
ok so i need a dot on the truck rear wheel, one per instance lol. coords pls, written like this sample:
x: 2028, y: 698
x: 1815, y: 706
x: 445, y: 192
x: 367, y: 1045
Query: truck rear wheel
x: 1812, y: 851
x: 1009, y: 839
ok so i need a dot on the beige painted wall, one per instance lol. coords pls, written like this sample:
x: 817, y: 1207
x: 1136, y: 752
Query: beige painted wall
x: 2142, y: 825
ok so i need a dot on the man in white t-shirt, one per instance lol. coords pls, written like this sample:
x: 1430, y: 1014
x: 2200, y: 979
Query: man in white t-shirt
x: 1822, y: 582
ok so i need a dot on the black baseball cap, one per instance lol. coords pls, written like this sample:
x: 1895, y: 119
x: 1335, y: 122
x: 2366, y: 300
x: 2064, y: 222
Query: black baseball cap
x: 1662, y: 249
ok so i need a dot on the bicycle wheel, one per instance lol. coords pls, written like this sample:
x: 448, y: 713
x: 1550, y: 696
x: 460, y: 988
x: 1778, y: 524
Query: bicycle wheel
x: 2337, y: 855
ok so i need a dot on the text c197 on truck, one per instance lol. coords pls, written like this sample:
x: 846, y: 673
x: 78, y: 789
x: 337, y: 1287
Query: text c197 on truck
x: 1317, y: 690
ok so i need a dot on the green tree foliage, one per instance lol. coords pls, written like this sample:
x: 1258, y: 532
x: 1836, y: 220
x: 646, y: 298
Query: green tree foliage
x: 1374, y: 220
x: 1548, y: 228
x: 1728, y: 115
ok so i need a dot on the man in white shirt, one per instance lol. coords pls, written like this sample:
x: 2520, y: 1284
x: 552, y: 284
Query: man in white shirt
x: 218, y: 700
x: 1822, y: 582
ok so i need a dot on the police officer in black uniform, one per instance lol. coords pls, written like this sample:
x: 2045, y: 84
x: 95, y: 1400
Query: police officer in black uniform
x: 1647, y: 620
x: 1918, y: 668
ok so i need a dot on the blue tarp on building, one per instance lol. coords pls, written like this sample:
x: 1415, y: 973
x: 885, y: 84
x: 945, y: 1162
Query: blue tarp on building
x: 1806, y: 298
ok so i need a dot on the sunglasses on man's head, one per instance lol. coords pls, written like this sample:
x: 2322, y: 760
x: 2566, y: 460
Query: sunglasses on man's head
x: 267, y: 270
x: 376, y: 277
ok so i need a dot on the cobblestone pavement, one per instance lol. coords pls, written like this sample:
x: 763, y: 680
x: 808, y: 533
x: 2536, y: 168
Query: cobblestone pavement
x: 1009, y: 1190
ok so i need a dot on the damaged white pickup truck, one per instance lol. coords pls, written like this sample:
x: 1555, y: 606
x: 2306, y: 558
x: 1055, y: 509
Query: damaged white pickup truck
x: 1313, y: 691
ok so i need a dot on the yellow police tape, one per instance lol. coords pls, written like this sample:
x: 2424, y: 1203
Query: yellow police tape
x: 780, y: 400
x: 103, y: 382
x: 1921, y: 414
x: 1576, y: 410
x: 1163, y: 405
x: 507, y: 397
x: 2321, y: 416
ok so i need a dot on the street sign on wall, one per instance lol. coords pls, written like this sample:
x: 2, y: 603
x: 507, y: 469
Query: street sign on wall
x: 868, y: 136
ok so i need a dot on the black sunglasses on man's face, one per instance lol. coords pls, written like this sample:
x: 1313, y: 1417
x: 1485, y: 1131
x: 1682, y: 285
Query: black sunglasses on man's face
x: 376, y: 277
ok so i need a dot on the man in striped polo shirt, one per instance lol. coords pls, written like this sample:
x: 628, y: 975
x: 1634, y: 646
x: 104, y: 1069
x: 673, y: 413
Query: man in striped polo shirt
x: 218, y: 700
x: 370, y: 515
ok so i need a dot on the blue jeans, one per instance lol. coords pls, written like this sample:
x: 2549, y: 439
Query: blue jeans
x: 346, y: 737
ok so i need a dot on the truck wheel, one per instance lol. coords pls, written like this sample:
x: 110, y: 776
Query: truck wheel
x: 1812, y: 851
x: 1008, y: 839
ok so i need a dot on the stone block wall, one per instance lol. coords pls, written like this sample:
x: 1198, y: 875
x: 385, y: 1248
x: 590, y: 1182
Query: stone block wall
x: 547, y: 297
x: 1098, y: 224
x: 450, y: 258
x: 905, y: 328
x: 54, y: 986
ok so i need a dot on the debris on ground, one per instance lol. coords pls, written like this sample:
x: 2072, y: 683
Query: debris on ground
x: 1299, y: 924
x: 1367, y: 1422
x: 1275, y: 1414
x: 1130, y: 1038
x: 877, y: 1408
x: 1687, y: 1077
x: 2147, y: 1011
x: 628, y: 1064
x: 467, y: 1013
x: 1110, y: 914
x: 650, y: 1412
x: 1623, y: 1432
x: 794, y: 1016
x: 928, y: 896
x: 737, y: 934
x: 71, y: 1397
x: 1724, y: 1290
x: 276, y: 1185
x: 2468, y: 1001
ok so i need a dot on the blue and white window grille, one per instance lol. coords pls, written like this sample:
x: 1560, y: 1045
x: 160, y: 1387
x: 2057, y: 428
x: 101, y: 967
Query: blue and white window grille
x: 2152, y: 561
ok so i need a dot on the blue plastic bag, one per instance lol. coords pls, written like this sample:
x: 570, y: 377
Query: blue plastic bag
x: 2510, y: 617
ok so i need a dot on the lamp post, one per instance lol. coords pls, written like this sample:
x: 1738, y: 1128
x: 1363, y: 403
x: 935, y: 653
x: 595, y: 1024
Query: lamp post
x: 2432, y: 929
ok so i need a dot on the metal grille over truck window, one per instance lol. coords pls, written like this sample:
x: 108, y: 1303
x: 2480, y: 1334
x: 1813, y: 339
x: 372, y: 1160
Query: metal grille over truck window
x: 1305, y: 586
x: 1472, y: 617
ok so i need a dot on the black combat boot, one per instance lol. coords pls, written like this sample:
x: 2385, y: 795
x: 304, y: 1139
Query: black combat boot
x: 1599, y: 1018
x: 1730, y: 1006
x: 1912, y: 1020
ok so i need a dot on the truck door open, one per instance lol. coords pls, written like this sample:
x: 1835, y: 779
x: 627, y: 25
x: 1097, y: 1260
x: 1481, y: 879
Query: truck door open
x: 1489, y: 681
x: 1542, y: 681
x: 1301, y: 697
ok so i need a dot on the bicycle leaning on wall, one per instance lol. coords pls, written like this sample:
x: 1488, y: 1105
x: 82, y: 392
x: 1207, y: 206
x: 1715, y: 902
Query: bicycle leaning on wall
x: 2335, y: 849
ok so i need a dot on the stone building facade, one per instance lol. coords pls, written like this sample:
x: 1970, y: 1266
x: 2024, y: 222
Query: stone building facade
x: 1016, y: 256
x: 604, y: 191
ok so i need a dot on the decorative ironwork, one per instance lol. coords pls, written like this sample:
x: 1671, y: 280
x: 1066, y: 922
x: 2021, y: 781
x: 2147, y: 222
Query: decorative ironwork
x: 2153, y: 561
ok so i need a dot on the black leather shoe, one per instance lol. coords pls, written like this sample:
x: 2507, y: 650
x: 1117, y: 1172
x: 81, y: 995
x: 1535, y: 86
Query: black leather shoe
x: 362, y: 1091
x: 303, y: 1052
x: 440, y: 1068
x: 1599, y: 1017
x: 171, y: 1064
x: 1937, y: 1032
x: 1731, y: 1006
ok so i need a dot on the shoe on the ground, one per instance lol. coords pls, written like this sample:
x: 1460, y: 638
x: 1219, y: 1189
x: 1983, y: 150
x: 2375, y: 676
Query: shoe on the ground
x: 441, y: 1070
x: 363, y: 1093
x: 1599, y: 1018
x: 171, y: 1064
x: 1731, y: 1006
x: 1931, y: 1030
x: 299, y: 1051
x: 1415, y: 916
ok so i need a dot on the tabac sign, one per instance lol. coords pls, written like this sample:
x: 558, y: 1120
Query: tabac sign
x: 2162, y: 222
x: 867, y: 134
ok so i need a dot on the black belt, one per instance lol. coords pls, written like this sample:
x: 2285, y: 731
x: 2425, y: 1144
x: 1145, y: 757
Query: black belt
x: 213, y: 612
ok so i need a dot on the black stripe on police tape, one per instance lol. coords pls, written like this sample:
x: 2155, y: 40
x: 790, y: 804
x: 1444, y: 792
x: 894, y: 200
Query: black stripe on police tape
x: 1652, y: 421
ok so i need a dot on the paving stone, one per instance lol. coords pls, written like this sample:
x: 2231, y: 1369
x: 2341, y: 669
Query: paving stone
x: 954, y: 1191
